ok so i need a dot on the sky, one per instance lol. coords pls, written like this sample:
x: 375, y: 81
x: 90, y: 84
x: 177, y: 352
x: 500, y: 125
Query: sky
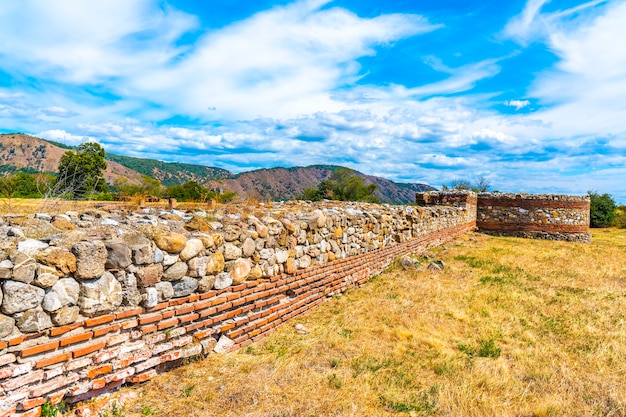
x: 530, y: 95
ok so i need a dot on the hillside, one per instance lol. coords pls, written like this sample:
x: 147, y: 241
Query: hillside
x: 20, y: 152
x: 287, y: 183
x: 170, y: 173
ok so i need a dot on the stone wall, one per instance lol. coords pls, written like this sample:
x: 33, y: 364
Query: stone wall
x: 93, y: 300
x: 545, y: 216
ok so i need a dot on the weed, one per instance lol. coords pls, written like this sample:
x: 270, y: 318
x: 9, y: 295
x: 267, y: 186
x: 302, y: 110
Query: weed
x: 346, y: 333
x: 50, y: 410
x: 188, y: 389
x: 424, y: 403
x: 487, y: 348
x: 334, y: 362
x: 335, y: 382
x: 115, y: 410
x: 146, y: 411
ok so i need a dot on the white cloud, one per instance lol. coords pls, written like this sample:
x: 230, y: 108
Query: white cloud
x: 518, y: 104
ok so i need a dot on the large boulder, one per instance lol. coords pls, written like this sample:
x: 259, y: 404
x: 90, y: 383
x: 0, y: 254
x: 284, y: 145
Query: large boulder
x: 142, y: 251
x: 198, y: 266
x: 24, y: 267
x: 241, y: 269
x: 91, y: 256
x: 215, y: 264
x: 20, y: 297
x: 100, y: 295
x: 222, y: 280
x: 232, y: 252
x: 65, y: 315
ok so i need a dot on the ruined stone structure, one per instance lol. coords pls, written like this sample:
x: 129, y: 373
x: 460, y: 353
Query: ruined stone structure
x: 90, y: 301
x: 544, y: 216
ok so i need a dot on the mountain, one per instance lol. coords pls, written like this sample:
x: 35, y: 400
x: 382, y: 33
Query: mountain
x: 20, y: 152
x: 289, y: 183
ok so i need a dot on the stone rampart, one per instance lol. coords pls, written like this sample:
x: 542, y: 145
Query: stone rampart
x: 545, y: 216
x: 90, y: 301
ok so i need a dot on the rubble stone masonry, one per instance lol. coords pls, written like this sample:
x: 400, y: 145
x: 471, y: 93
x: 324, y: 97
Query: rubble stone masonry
x: 90, y: 301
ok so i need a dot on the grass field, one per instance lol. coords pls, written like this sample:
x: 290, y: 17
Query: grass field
x: 511, y: 327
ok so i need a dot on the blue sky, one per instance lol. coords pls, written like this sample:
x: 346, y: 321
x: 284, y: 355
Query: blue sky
x: 529, y: 94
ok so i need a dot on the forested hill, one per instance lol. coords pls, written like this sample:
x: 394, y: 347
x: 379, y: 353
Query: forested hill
x: 170, y: 173
x: 20, y: 152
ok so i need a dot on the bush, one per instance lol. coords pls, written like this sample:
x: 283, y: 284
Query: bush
x: 602, y: 211
x: 620, y: 217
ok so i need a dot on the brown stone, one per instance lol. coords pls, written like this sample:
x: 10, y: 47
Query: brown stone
x: 240, y: 271
x: 63, y: 261
x: 149, y: 275
x: 216, y: 264
x: 291, y: 266
x: 63, y: 224
x: 197, y: 224
x: 172, y: 242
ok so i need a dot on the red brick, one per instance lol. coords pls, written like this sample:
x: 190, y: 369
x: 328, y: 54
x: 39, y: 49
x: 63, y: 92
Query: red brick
x: 99, y: 320
x: 188, y: 318
x: 150, y: 319
x: 76, y: 338
x: 184, y: 310
x: 120, y: 375
x: 148, y: 329
x: 33, y: 402
x: 29, y: 378
x: 136, y: 379
x: 35, y: 412
x: 104, y: 330
x: 150, y: 363
x: 8, y: 358
x: 129, y: 324
x: 128, y: 313
x: 100, y: 370
x: 87, y: 350
x: 63, y: 357
x: 8, y: 411
x: 3, y: 344
x: 167, y: 323
x: 168, y: 314
x: 45, y: 347
x: 171, y: 356
x: 202, y: 305
x: 208, y: 294
x: 157, y: 307
x: 203, y: 334
x: 179, y: 301
x: 53, y: 384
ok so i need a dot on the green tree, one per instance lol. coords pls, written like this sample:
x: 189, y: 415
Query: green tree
x: 343, y: 185
x: 148, y: 186
x: 24, y: 185
x: 80, y: 172
x: 602, y: 212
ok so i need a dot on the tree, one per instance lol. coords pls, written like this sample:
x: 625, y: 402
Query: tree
x: 602, y: 212
x: 80, y: 172
x: 343, y: 185
x: 481, y: 185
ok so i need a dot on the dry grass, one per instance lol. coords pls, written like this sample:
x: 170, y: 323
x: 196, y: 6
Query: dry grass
x: 511, y: 327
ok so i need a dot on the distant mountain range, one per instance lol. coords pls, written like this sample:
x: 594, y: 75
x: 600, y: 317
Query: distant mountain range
x: 20, y: 152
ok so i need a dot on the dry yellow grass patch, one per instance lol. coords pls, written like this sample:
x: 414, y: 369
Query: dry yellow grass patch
x: 511, y: 327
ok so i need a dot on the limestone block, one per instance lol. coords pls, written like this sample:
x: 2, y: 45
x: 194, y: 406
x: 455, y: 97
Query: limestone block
x: 241, y: 269
x: 206, y: 283
x: 232, y: 252
x: 34, y: 320
x: 175, y: 272
x: 7, y: 326
x: 198, y: 266
x: 63, y: 261
x: 91, y: 256
x: 20, y: 297
x: 119, y: 255
x: 141, y: 248
x: 185, y: 286
x: 149, y: 275
x: 64, y: 293
x: 65, y: 315
x: 165, y: 290
x: 171, y: 242
x: 192, y: 249
x: 223, y: 280
x: 100, y: 295
x: 215, y: 264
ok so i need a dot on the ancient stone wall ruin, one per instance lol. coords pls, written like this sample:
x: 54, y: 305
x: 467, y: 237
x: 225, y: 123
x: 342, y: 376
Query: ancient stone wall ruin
x: 90, y: 301
x: 545, y: 216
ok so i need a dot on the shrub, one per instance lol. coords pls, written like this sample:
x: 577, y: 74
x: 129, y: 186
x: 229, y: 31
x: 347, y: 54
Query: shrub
x: 602, y: 211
